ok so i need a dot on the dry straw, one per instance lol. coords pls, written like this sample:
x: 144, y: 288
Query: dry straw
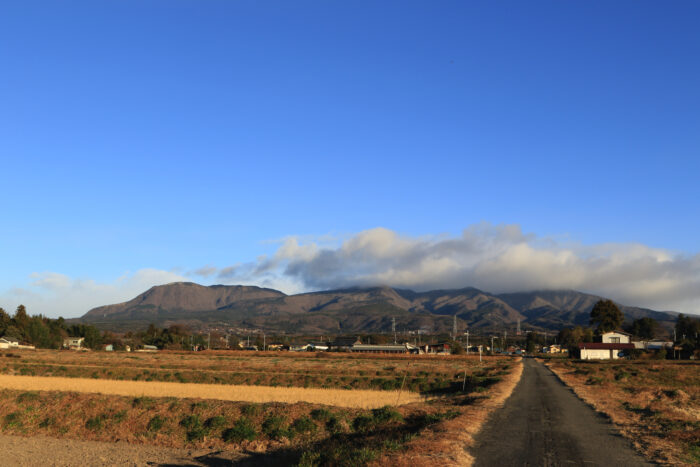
x: 365, y: 399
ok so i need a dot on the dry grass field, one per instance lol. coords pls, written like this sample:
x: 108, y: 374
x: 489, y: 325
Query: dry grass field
x: 358, y: 398
x: 428, y: 374
x: 654, y: 403
x: 330, y: 422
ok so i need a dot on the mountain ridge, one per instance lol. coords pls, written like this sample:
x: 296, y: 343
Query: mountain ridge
x: 354, y: 309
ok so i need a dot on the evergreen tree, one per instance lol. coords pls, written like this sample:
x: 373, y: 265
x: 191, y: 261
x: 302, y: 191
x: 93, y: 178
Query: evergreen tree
x: 607, y: 316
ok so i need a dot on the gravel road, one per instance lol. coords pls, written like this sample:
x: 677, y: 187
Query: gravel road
x: 543, y: 423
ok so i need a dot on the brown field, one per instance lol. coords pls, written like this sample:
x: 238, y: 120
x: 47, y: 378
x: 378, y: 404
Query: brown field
x: 656, y: 404
x: 358, y: 398
x: 425, y: 374
x: 331, y: 421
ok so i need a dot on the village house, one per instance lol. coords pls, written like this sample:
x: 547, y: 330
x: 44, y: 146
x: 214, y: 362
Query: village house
x: 73, y: 343
x: 612, y: 345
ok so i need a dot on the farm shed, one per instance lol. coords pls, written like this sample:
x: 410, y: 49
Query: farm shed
x: 602, y: 351
x: 387, y: 348
x: 344, y: 343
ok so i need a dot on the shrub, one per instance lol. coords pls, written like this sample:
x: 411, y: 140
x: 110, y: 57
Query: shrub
x: 95, y: 423
x: 215, y: 422
x: 321, y: 415
x: 386, y: 414
x: 243, y: 429
x: 191, y: 421
x: 156, y: 423
x: 195, y: 430
x: 13, y: 420
x: 363, y: 423
x: 274, y: 427
x: 335, y: 424
x: 304, y: 425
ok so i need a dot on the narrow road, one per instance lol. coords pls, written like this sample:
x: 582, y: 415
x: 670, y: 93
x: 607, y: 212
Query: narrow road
x: 544, y: 424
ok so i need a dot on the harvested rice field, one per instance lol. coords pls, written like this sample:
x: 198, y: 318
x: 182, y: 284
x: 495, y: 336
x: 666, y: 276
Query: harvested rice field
x: 422, y: 374
x: 279, y: 408
x: 360, y: 398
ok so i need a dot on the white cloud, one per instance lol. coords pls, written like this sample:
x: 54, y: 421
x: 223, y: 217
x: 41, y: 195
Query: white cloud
x: 54, y: 294
x: 495, y: 258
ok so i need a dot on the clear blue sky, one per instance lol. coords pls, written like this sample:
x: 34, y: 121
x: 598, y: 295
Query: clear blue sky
x: 174, y: 134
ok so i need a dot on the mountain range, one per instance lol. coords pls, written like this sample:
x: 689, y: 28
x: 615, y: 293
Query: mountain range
x: 354, y: 310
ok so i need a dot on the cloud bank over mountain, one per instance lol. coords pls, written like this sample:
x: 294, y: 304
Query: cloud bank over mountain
x: 494, y: 258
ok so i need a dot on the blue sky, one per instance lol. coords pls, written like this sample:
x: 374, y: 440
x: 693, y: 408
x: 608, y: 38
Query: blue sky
x: 141, y: 141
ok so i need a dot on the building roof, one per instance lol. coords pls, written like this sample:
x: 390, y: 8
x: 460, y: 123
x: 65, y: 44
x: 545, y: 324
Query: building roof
x: 617, y: 331
x: 381, y: 348
x: 345, y: 341
x: 606, y: 346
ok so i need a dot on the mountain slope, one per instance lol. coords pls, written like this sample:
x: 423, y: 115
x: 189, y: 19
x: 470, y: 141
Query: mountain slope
x: 354, y: 309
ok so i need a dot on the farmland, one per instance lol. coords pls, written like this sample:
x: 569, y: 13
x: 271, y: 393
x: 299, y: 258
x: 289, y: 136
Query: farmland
x: 656, y: 404
x: 353, y: 420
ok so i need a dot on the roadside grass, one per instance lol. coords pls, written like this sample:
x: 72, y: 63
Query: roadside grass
x: 655, y: 403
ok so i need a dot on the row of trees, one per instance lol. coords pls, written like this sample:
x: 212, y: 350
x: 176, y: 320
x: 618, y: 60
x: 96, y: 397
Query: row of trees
x: 606, y: 316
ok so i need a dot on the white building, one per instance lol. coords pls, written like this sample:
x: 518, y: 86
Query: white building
x: 615, y: 337
x: 603, y: 351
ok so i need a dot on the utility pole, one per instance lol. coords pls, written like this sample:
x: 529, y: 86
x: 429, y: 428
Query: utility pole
x: 518, y: 330
x: 467, y: 342
x: 393, y: 328
x: 208, y: 341
x: 454, y: 328
x: 505, y: 340
x: 492, y: 350
x: 264, y: 342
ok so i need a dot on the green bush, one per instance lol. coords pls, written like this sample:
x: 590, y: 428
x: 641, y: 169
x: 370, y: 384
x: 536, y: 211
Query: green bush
x: 215, y: 422
x: 195, y: 430
x: 243, y: 429
x: 386, y: 414
x: 321, y: 415
x: 95, y: 423
x: 191, y: 421
x: 304, y: 425
x: 156, y: 423
x: 363, y: 423
x: 13, y: 420
x: 275, y: 427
